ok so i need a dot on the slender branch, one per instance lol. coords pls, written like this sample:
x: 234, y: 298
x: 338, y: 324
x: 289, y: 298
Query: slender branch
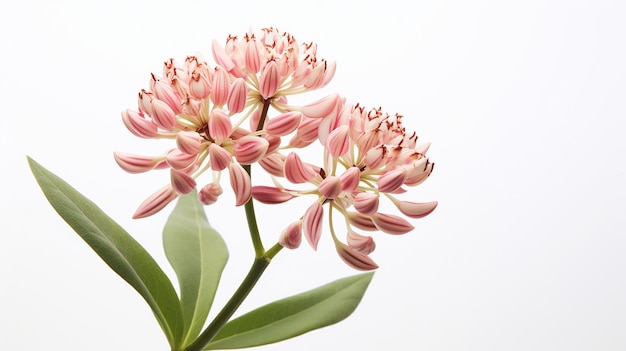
x: 259, y: 251
x: 257, y: 269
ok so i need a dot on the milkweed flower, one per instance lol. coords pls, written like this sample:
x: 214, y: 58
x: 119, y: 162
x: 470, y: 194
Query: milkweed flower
x: 204, y: 109
x: 368, y: 155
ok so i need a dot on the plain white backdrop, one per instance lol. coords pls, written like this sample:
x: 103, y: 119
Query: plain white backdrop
x: 523, y: 102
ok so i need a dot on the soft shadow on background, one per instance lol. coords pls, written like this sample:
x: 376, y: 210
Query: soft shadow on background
x: 524, y: 105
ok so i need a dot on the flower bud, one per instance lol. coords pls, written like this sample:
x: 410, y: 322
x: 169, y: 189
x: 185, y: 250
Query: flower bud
x: 210, y: 193
x: 291, y: 237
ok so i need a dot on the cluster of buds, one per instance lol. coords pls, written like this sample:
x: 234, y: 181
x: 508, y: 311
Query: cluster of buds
x: 236, y: 114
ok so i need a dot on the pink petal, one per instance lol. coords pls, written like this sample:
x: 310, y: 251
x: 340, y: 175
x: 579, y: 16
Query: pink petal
x: 361, y: 221
x: 327, y: 106
x: 188, y: 142
x: 253, y: 55
x: 164, y: 92
x: 180, y: 160
x: 143, y: 100
x: 350, y: 179
x: 237, y: 95
x: 361, y: 243
x: 220, y: 126
x: 338, y: 141
x: 284, y: 124
x: 391, y: 224
x: 137, y: 124
x: 240, y: 182
x: 250, y: 149
x: 416, y: 209
x: 354, y: 258
x: 199, y: 85
x: 132, y: 163
x: 330, y: 73
x: 330, y: 187
x: 162, y: 114
x: 219, y: 158
x: 296, y: 171
x: 156, y: 202
x: 269, y: 80
x: 312, y: 223
x: 306, y: 133
x: 270, y: 195
x: 274, y: 164
x: 219, y: 86
x: 392, y: 180
x: 182, y: 182
x: 366, y: 203
x: 221, y: 57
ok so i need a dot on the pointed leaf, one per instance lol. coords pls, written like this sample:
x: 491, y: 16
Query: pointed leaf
x: 295, y: 315
x: 117, y: 248
x: 198, y: 255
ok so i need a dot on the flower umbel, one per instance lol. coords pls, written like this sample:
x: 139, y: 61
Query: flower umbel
x: 368, y: 154
x: 235, y: 114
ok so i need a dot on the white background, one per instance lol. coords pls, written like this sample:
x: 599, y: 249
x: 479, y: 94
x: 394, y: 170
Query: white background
x: 523, y: 102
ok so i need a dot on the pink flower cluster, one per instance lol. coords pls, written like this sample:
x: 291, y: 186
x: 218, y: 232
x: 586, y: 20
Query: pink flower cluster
x: 220, y: 119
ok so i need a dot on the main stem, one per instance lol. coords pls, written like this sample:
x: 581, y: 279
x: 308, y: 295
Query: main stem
x: 257, y: 269
x: 261, y: 261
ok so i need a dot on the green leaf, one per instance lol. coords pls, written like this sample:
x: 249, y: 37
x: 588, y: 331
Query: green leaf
x: 198, y: 255
x: 117, y: 248
x: 295, y: 315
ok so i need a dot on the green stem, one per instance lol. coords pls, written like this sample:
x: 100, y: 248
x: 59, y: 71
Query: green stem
x: 259, y: 251
x: 257, y: 269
